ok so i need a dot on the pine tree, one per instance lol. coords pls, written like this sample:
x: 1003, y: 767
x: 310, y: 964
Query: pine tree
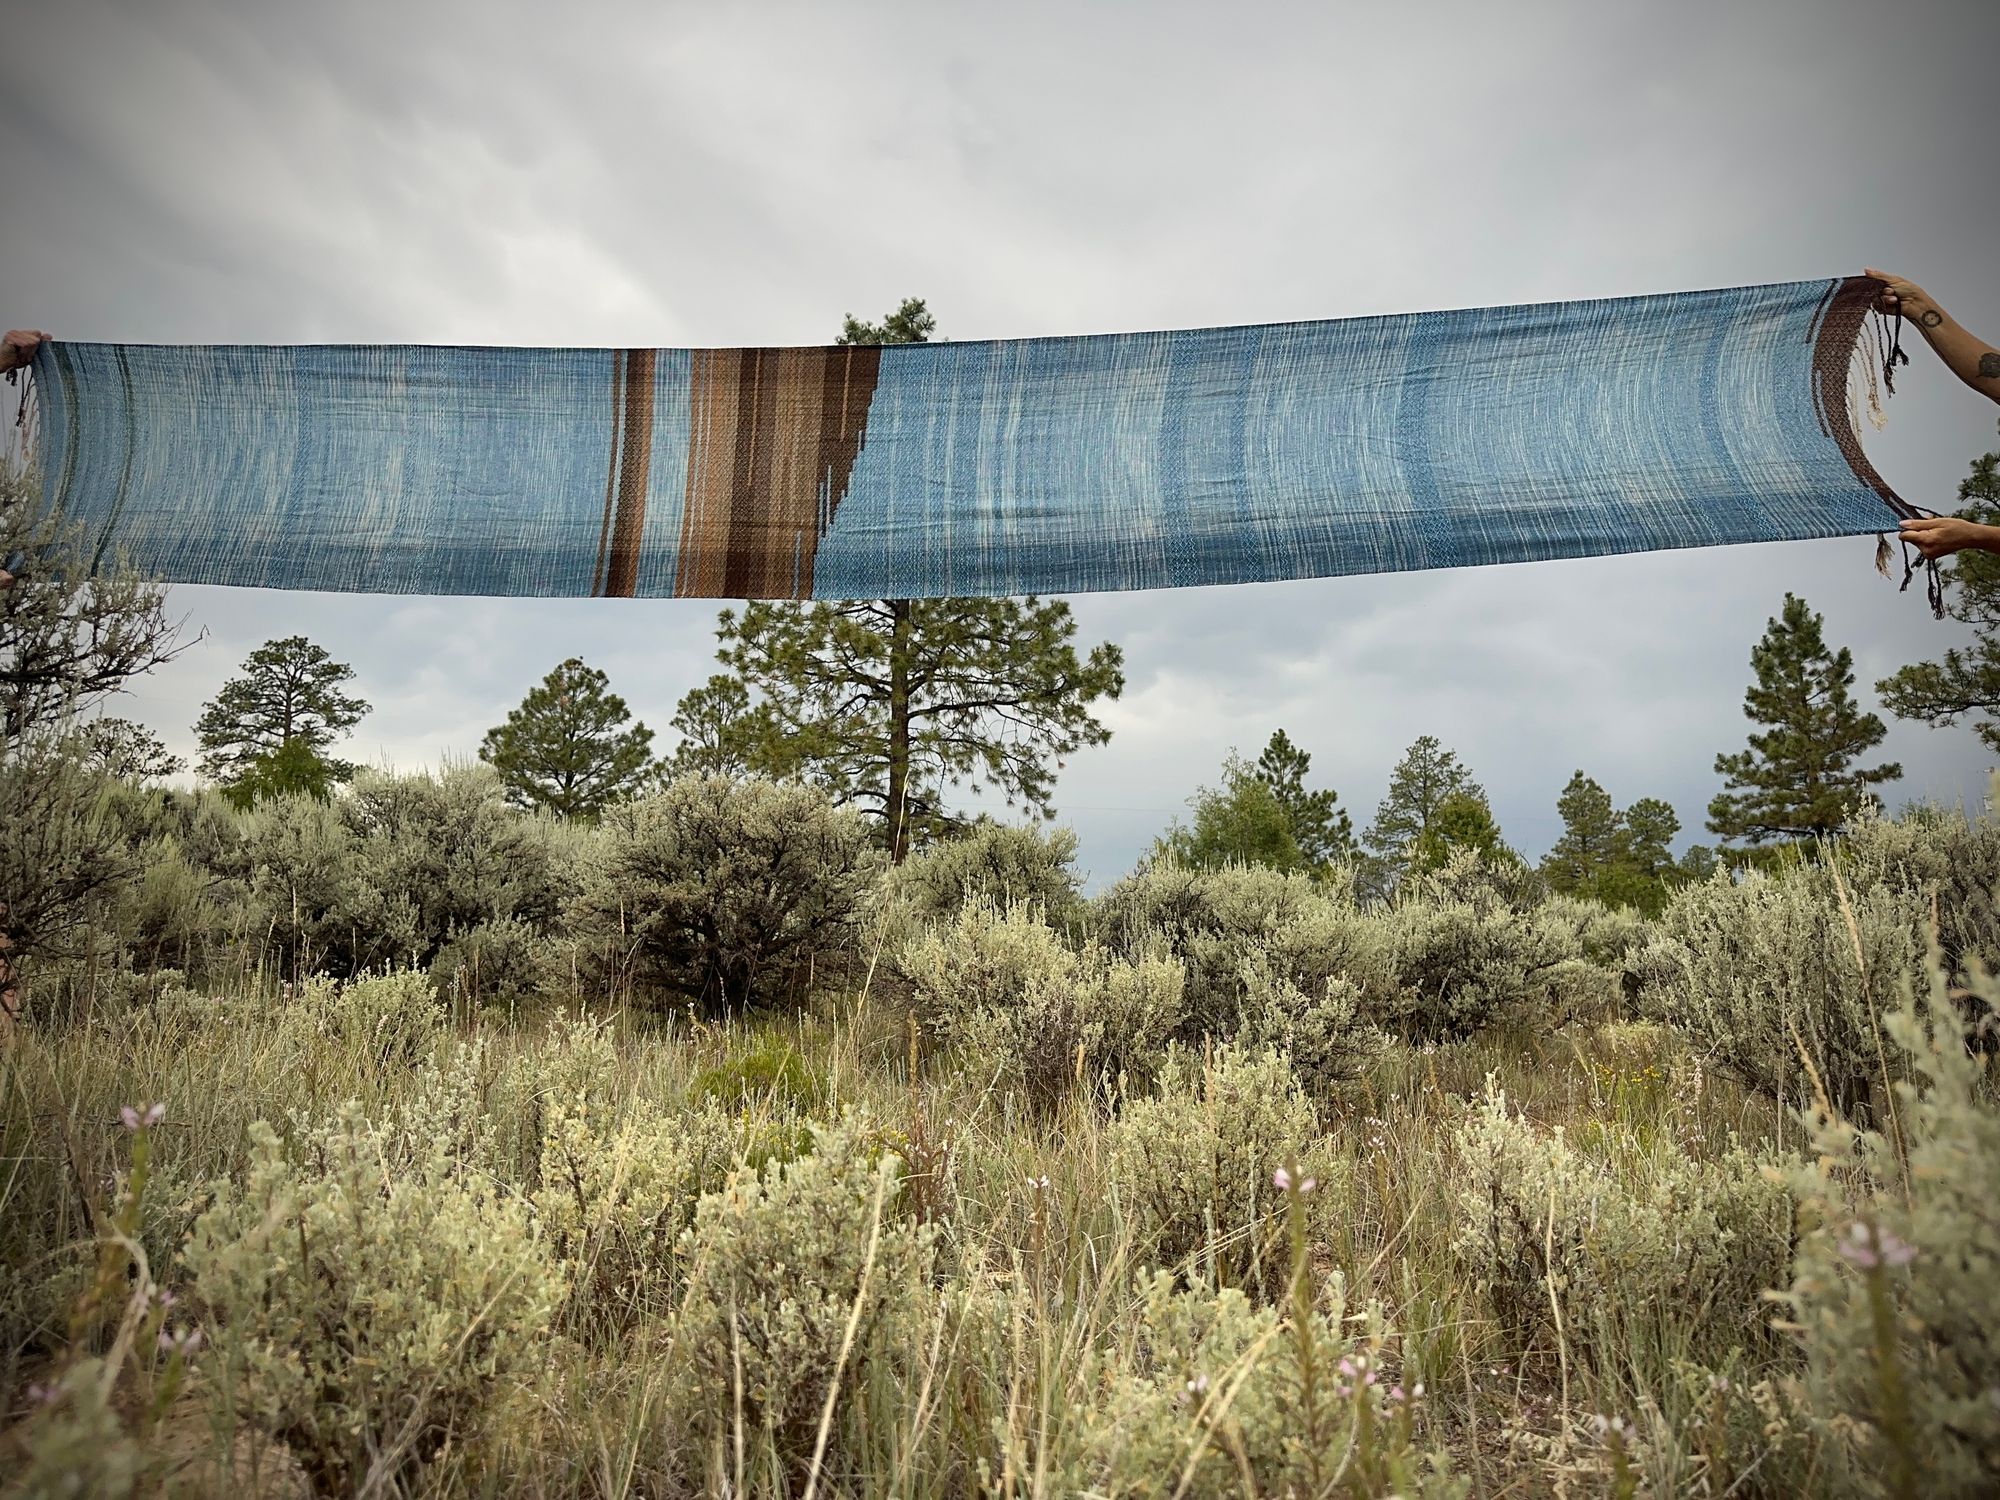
x: 1590, y: 842
x: 290, y: 690
x: 1937, y: 693
x: 886, y: 703
x: 1319, y: 825
x: 1462, y: 821
x: 1427, y: 775
x: 1242, y: 822
x: 718, y: 731
x: 568, y: 747
x: 1798, y: 779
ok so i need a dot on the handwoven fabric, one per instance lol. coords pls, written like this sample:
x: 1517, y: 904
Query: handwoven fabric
x: 1024, y: 466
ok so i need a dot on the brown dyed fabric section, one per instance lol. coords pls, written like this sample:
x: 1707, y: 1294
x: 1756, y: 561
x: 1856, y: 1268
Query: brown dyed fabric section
x: 772, y: 439
x: 633, y: 467
x: 1847, y: 308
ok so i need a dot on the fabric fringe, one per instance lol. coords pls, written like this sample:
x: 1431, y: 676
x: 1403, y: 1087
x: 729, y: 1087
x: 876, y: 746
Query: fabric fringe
x: 1876, y: 367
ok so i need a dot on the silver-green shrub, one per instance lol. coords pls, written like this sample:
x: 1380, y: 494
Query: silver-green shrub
x: 502, y: 962
x: 1755, y: 970
x: 1644, y: 1249
x: 1225, y: 1397
x: 1001, y: 864
x: 368, y: 1316
x: 800, y: 1276
x: 384, y: 1020
x: 615, y: 1196
x: 1228, y: 927
x: 1325, y: 1034
x: 1896, y: 1287
x: 1462, y: 965
x: 1950, y: 864
x: 1194, y: 1165
x: 726, y: 893
x: 1028, y: 1012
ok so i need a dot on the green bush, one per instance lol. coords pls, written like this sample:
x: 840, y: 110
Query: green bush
x: 999, y: 864
x: 1228, y: 926
x: 1648, y: 1251
x: 1893, y: 1290
x: 1031, y: 1014
x: 615, y: 1198
x: 1223, y: 1397
x: 385, y: 1020
x: 368, y: 1317
x: 1194, y: 1164
x: 1462, y: 965
x: 771, y: 1068
x: 1756, y: 970
x: 727, y: 893
x: 501, y: 962
x: 800, y: 1279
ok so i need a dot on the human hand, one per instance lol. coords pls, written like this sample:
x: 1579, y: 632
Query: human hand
x: 18, y: 348
x: 1940, y: 536
x: 1905, y: 297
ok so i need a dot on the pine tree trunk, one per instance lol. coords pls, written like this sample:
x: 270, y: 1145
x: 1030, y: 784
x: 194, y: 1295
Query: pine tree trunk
x: 897, y: 806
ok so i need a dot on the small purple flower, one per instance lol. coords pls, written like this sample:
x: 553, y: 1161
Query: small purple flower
x: 44, y: 1395
x: 1346, y: 1367
x: 1395, y: 1393
x: 1868, y: 1249
x: 183, y: 1341
x: 1282, y: 1180
x: 136, y: 1118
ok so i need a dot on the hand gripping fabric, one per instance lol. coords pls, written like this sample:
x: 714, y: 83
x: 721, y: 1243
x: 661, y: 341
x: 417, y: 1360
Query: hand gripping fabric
x: 1020, y: 466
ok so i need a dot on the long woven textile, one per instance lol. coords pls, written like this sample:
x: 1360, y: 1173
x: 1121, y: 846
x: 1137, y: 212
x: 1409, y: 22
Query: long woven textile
x: 1029, y: 466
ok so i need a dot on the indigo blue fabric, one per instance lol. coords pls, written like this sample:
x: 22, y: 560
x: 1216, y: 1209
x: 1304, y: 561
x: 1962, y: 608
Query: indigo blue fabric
x: 1047, y: 466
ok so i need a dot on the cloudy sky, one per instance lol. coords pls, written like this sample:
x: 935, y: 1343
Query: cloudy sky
x: 720, y: 174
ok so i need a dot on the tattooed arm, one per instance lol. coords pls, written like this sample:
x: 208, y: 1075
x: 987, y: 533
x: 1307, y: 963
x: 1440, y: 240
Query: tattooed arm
x: 1971, y: 359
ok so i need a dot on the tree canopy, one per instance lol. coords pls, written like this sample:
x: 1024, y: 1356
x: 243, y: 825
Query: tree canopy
x: 1798, y: 779
x: 571, y: 747
x: 291, y: 693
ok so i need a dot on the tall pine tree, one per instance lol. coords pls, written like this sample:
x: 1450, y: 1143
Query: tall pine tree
x: 1965, y: 682
x: 1319, y: 825
x: 1592, y: 832
x: 887, y: 703
x: 290, y: 698
x: 1424, y: 778
x: 570, y: 747
x: 1798, y: 779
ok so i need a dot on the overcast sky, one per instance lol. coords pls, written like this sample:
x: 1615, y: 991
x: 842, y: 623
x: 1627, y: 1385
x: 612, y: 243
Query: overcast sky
x: 670, y: 174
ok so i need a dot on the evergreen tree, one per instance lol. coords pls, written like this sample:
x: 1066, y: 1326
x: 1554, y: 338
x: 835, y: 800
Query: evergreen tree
x: 294, y: 769
x: 718, y: 731
x: 1591, y: 838
x: 1244, y: 821
x: 1798, y: 779
x: 887, y: 702
x: 1462, y: 821
x: 568, y: 747
x: 1427, y: 775
x: 290, y: 690
x: 1965, y: 682
x: 1319, y: 825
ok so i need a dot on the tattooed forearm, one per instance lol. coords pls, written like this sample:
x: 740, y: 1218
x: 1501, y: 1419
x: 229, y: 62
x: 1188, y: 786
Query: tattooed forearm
x: 1931, y: 318
x: 1989, y: 365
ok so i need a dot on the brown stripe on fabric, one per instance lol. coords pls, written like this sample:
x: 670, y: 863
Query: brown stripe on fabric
x: 634, y: 470
x: 1833, y: 357
x: 610, y: 470
x: 774, y: 434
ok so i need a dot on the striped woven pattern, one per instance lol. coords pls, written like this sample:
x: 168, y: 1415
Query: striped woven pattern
x: 1030, y: 466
